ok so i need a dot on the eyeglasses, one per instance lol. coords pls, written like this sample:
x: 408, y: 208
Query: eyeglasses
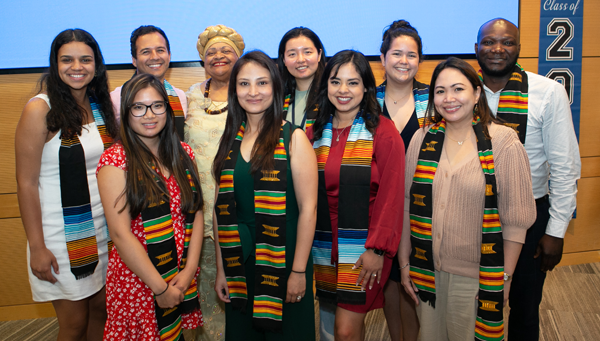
x: 140, y: 109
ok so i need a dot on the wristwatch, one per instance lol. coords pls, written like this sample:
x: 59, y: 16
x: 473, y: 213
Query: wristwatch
x: 378, y: 252
x: 507, y: 277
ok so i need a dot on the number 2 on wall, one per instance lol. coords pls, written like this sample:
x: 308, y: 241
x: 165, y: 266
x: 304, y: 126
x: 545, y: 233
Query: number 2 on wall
x: 564, y: 30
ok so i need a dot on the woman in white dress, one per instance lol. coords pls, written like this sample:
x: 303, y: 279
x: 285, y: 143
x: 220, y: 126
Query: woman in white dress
x: 58, y: 142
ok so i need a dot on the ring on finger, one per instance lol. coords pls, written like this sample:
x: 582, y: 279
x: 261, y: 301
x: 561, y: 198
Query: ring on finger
x: 374, y: 275
x: 298, y: 298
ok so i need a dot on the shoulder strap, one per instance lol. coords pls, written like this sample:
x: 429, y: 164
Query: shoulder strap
x: 45, y: 98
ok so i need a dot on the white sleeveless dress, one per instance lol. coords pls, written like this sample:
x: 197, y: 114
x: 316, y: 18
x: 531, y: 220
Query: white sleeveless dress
x: 67, y: 287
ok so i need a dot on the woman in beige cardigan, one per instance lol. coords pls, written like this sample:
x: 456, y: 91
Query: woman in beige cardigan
x: 449, y: 187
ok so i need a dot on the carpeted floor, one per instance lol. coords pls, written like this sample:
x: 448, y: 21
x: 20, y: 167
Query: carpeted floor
x: 570, y: 310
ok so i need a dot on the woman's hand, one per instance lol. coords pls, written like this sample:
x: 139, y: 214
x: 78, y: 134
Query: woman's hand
x: 170, y: 298
x: 221, y: 287
x: 296, y: 287
x: 41, y: 261
x: 372, y: 265
x: 183, y: 279
x: 408, y: 284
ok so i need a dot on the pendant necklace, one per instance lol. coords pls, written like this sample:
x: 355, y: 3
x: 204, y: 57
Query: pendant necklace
x: 460, y: 143
x: 338, y: 131
x: 393, y: 100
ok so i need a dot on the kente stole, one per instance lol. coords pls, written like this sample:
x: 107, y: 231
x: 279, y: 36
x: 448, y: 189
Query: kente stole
x: 489, y: 324
x: 80, y: 232
x: 177, y: 108
x: 162, y: 251
x: 270, y: 187
x: 353, y: 215
x: 420, y: 94
x: 513, y: 103
x: 311, y: 115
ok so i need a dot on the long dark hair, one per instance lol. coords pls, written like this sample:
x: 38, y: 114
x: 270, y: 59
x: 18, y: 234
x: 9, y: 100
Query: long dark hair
x: 289, y: 81
x: 397, y: 29
x: 65, y: 114
x: 369, y: 106
x: 142, y: 189
x: 483, y: 110
x: 270, y: 125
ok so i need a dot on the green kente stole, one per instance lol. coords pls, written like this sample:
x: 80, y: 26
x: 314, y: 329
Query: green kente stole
x: 310, y: 116
x: 270, y: 187
x: 162, y: 251
x: 489, y: 324
x: 177, y: 108
x: 513, y: 103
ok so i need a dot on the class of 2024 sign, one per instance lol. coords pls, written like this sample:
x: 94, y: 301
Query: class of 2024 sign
x: 561, y: 30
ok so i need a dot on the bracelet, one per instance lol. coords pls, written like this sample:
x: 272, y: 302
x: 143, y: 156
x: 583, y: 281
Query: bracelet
x: 299, y: 272
x: 167, y: 288
x: 402, y: 267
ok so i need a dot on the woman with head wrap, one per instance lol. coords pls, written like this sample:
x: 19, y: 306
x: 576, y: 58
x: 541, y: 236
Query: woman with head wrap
x: 219, y: 48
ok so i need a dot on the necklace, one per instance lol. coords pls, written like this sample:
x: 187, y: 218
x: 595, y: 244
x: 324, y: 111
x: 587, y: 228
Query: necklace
x: 213, y: 112
x: 338, y: 131
x: 460, y: 143
x: 395, y: 101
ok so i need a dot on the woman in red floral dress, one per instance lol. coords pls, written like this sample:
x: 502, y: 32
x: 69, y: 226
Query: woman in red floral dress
x: 150, y: 190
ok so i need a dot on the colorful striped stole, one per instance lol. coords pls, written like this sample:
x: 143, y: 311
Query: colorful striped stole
x: 80, y: 233
x: 514, y: 101
x: 489, y: 324
x: 353, y: 218
x: 270, y: 187
x: 177, y: 108
x: 310, y: 116
x: 420, y: 95
x: 162, y: 251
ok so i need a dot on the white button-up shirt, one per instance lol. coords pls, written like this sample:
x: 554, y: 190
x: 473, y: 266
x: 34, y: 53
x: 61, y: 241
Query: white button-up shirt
x: 552, y: 148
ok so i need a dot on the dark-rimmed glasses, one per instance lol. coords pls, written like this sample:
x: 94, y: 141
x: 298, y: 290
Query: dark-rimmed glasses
x: 140, y: 109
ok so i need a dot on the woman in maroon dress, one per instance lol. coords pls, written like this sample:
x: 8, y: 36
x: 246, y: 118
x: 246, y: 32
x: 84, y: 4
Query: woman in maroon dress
x: 359, y: 216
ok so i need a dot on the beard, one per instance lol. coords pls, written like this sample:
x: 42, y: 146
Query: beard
x: 510, y: 65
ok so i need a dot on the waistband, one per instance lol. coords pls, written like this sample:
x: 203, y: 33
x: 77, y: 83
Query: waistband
x: 541, y: 200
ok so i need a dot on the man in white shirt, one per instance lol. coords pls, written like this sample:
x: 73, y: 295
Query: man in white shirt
x: 551, y: 144
x: 151, y: 53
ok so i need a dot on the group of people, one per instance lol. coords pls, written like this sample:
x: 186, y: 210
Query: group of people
x: 149, y: 210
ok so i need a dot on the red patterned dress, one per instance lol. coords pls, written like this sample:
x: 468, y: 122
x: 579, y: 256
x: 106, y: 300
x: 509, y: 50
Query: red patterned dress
x: 130, y: 302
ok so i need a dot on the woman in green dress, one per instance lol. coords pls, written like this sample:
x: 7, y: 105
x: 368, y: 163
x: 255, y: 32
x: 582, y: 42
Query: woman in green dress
x: 265, y: 211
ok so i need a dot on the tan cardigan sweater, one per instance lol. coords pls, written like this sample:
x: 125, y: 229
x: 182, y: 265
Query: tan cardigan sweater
x: 458, y: 200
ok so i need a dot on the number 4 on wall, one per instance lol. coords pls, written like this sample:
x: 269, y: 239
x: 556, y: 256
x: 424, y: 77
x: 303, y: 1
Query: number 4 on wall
x: 563, y: 28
